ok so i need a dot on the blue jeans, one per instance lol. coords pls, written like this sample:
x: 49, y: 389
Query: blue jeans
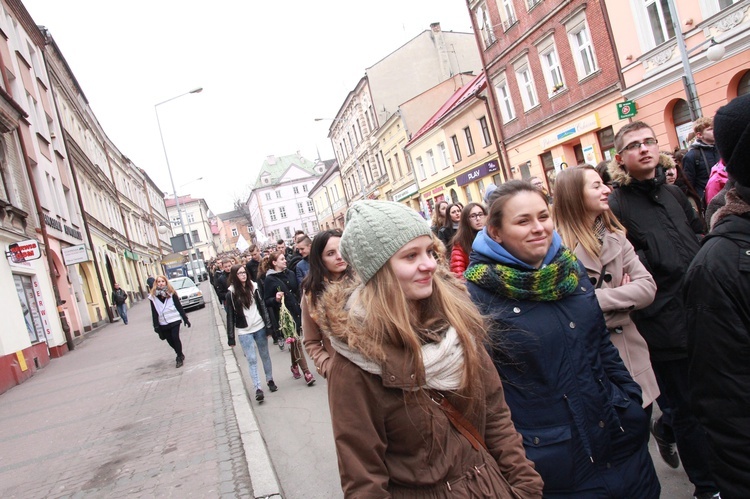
x: 122, y: 311
x: 248, y: 343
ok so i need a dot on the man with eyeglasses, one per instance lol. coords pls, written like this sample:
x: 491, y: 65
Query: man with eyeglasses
x: 664, y: 230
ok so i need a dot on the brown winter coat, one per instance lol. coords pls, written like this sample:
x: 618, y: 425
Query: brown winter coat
x: 317, y: 345
x: 617, y: 301
x: 392, y: 440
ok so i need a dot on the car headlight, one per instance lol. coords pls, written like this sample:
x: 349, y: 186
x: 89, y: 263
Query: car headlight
x: 196, y: 294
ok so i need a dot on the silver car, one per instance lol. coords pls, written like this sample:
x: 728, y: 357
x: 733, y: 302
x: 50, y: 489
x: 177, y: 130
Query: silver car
x: 190, y: 295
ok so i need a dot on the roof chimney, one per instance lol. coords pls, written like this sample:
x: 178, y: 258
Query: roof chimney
x: 435, y: 27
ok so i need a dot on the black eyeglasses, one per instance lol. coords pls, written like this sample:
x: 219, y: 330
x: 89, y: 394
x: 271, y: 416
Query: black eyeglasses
x: 477, y: 216
x: 637, y: 145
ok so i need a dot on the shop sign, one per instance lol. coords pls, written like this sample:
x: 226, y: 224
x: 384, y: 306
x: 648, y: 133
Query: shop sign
x: 477, y: 173
x: 626, y: 109
x: 437, y: 190
x: 75, y: 254
x: 23, y: 251
x: 405, y: 193
x: 130, y: 255
x: 590, y: 122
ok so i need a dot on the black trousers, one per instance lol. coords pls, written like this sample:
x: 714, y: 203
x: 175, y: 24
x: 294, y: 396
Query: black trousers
x: 172, y: 335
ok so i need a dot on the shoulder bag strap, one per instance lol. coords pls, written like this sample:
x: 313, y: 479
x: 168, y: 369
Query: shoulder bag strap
x: 459, y: 421
x: 602, y: 273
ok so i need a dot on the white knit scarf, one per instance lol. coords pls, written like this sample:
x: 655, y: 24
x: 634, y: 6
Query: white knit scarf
x: 443, y: 361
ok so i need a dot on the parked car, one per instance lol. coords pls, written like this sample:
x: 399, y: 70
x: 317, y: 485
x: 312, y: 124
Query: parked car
x: 190, y: 295
x: 201, y: 268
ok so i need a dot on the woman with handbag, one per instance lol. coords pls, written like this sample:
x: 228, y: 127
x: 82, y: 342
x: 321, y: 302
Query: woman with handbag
x: 572, y: 399
x: 416, y: 406
x: 281, y: 295
x: 247, y: 315
x: 167, y: 313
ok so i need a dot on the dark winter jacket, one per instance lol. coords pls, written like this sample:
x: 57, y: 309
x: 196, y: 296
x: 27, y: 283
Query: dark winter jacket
x: 697, y: 164
x: 664, y: 231
x: 238, y: 320
x: 717, y: 296
x: 571, y: 397
x: 445, y: 234
x: 301, y: 270
x: 119, y: 296
x: 282, y: 281
x: 221, y: 280
x: 252, y: 269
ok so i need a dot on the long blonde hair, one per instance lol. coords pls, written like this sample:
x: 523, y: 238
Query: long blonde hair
x: 390, y: 319
x: 571, y: 216
x: 170, y: 288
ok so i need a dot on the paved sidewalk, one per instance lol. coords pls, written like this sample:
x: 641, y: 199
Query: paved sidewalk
x: 115, y: 418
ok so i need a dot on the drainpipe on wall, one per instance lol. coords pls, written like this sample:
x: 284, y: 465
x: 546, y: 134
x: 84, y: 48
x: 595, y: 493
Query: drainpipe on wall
x: 496, y: 132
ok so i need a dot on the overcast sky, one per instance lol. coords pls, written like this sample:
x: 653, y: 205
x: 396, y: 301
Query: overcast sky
x: 268, y: 69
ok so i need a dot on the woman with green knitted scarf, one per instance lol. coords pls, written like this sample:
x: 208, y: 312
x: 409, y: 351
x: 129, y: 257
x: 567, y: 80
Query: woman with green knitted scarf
x: 571, y: 397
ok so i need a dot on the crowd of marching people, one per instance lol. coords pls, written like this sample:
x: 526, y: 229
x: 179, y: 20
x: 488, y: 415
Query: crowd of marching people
x: 516, y: 347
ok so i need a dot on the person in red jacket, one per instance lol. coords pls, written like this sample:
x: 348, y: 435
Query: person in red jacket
x: 471, y: 222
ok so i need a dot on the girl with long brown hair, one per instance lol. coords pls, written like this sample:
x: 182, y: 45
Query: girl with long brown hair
x: 167, y: 313
x: 472, y: 221
x: 416, y: 407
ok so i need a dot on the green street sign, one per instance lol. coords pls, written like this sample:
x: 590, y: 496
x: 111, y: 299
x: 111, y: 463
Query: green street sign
x: 626, y: 109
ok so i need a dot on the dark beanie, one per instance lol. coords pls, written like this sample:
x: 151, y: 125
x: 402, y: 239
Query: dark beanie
x: 732, y: 136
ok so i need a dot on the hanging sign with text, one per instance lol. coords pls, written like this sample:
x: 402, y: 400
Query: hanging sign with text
x: 23, y: 251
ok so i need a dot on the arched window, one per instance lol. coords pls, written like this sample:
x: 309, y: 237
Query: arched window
x: 743, y: 88
x: 683, y: 125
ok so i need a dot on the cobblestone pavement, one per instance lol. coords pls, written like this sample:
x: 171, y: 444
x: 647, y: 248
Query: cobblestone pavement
x: 115, y: 418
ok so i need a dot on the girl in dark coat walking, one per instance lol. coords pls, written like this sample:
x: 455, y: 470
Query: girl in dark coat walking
x: 571, y: 397
x: 279, y: 284
x: 167, y: 313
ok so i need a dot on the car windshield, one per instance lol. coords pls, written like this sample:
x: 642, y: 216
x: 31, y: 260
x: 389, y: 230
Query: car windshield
x: 182, y: 283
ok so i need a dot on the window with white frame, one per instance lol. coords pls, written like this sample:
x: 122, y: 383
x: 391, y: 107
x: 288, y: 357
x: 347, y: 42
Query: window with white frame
x: 580, y: 45
x: 660, y: 24
x: 282, y: 211
x: 296, y: 189
x: 335, y: 191
x: 420, y: 168
x: 508, y: 14
x: 304, y: 188
x: 486, y: 139
x: 268, y: 196
x: 469, y: 140
x: 443, y: 154
x: 505, y: 102
x: 315, y: 225
x: 301, y: 208
x: 526, y: 84
x: 550, y: 64
x: 288, y: 232
x: 190, y: 217
x: 531, y: 3
x: 310, y: 207
x: 431, y: 161
x: 278, y: 194
x: 272, y: 214
x: 485, y: 26
x: 234, y: 232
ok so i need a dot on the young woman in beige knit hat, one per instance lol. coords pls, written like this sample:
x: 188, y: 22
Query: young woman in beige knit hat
x: 416, y: 405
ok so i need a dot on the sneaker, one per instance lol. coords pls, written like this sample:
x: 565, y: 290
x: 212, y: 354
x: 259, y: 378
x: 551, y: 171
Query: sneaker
x: 667, y: 447
x: 281, y: 344
x: 272, y: 386
x: 707, y: 495
x: 259, y: 395
x: 178, y: 364
x: 295, y: 372
x: 309, y: 379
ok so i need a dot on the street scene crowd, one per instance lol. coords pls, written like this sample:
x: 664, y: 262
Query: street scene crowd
x: 516, y: 347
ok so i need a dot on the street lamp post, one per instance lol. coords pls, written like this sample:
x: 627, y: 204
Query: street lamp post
x: 171, y: 179
x: 714, y: 53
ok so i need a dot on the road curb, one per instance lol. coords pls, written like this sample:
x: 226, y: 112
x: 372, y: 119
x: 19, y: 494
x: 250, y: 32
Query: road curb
x: 265, y: 483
